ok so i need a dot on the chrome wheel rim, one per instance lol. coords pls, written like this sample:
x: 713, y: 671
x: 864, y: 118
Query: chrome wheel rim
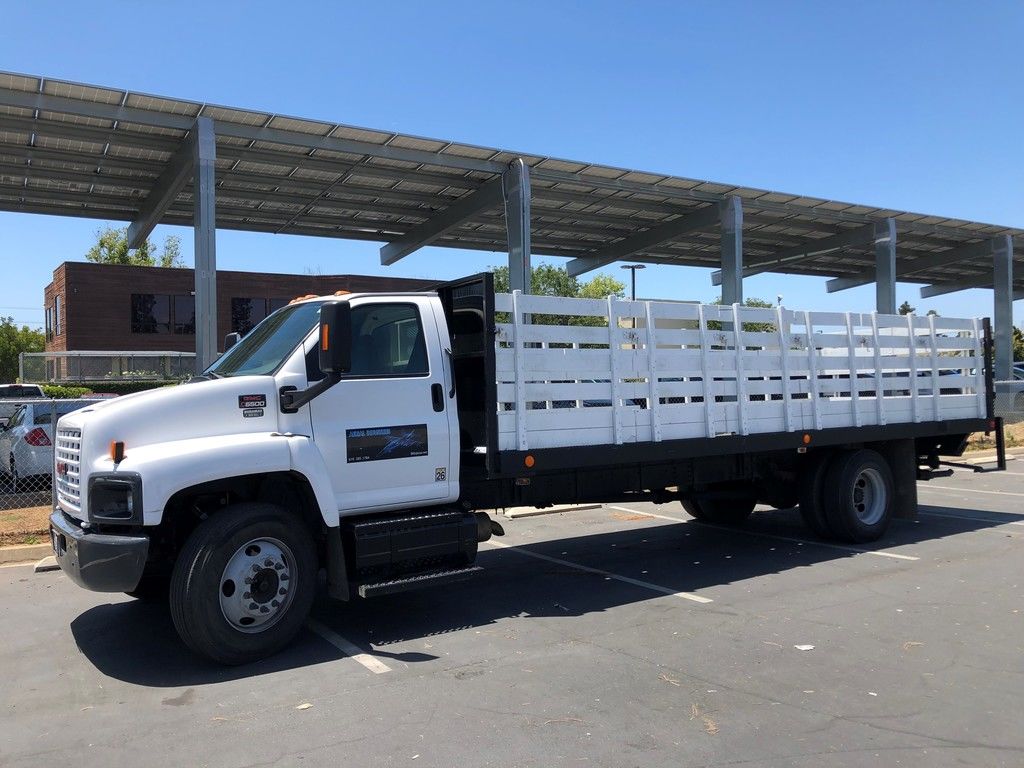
x: 257, y: 585
x: 868, y: 496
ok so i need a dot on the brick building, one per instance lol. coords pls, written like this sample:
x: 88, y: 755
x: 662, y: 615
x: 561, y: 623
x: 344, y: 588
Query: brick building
x: 110, y: 307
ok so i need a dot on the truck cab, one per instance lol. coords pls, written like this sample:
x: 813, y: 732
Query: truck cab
x: 332, y: 408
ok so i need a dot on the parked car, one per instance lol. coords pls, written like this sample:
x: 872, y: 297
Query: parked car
x: 26, y: 443
x: 12, y: 394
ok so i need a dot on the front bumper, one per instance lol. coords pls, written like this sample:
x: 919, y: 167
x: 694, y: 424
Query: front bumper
x: 97, y: 561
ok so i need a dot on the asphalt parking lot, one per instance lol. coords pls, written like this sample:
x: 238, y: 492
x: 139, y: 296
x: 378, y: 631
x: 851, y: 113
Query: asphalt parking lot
x: 605, y: 637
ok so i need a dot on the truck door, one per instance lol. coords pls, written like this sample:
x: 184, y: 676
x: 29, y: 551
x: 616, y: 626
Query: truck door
x: 383, y: 429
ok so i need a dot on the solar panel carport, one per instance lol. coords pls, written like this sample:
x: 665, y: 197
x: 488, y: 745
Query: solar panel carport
x: 96, y: 152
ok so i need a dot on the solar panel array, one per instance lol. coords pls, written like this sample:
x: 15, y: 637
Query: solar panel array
x: 89, y: 151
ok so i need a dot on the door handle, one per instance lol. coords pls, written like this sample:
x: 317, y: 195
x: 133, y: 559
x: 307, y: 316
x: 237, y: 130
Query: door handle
x: 451, y: 371
x: 437, y: 395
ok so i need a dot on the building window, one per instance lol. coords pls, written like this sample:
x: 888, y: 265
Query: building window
x: 159, y: 313
x: 247, y: 313
x: 151, y: 313
x: 185, y: 315
x: 56, y: 315
x: 49, y: 323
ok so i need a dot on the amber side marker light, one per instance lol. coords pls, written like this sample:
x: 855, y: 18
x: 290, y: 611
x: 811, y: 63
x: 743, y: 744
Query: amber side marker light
x: 528, y: 461
x: 807, y: 439
x: 117, y: 451
x: 324, y: 337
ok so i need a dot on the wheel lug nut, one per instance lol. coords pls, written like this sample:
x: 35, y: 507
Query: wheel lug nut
x: 278, y: 567
x: 253, y: 606
x: 255, y: 567
x: 284, y: 577
x: 268, y: 562
x: 246, y: 595
x: 274, y: 604
x: 248, y: 579
x: 282, y: 591
x: 264, y: 609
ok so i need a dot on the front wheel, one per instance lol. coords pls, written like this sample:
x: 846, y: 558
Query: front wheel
x: 244, y: 583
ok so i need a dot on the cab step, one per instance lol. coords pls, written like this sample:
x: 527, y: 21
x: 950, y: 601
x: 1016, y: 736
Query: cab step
x: 392, y: 586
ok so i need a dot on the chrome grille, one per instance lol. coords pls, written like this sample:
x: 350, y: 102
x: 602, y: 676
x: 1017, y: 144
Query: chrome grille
x: 67, y: 452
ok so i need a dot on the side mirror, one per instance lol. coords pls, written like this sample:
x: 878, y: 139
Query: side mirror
x: 231, y: 339
x: 336, y: 337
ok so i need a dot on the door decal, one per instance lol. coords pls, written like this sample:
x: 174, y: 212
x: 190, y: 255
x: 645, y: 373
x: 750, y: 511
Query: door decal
x: 380, y: 443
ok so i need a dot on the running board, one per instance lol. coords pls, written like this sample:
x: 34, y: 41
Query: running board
x: 415, y: 582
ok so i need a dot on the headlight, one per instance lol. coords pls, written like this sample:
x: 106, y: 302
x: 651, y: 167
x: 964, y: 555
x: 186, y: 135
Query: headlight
x: 115, y: 498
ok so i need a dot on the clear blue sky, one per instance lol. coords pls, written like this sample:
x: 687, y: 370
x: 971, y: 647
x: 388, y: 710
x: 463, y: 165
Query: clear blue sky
x: 909, y: 105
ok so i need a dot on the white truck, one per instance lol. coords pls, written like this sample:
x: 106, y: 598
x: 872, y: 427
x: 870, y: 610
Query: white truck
x: 364, y: 435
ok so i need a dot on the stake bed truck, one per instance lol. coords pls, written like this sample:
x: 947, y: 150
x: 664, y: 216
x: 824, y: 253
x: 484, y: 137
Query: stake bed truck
x: 363, y: 435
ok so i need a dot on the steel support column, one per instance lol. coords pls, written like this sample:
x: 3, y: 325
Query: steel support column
x: 1002, y: 315
x: 516, y: 186
x: 885, y: 267
x: 204, y: 221
x: 732, y: 251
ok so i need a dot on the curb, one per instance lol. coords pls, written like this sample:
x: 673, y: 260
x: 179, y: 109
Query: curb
x: 516, y: 512
x: 23, y: 553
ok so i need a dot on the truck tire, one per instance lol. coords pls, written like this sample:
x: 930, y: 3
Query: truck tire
x: 858, y: 495
x: 812, y: 490
x: 720, y: 511
x: 244, y: 583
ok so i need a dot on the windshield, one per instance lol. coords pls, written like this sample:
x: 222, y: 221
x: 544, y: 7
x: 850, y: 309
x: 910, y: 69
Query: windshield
x: 266, y: 346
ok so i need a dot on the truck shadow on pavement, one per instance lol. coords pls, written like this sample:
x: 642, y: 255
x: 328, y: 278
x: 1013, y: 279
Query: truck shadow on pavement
x: 124, y: 639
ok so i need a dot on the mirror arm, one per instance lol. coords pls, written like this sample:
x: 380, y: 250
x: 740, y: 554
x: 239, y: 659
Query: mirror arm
x: 292, y: 399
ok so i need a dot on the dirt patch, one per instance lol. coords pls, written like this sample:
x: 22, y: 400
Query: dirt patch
x: 1014, y: 434
x: 29, y: 525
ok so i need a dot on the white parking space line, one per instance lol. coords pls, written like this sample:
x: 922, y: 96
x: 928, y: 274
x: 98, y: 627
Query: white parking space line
x: 372, y: 663
x: 968, y: 490
x: 606, y: 574
x: 841, y: 547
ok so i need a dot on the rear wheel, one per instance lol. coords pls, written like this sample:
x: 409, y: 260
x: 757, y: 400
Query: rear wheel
x: 244, y: 583
x: 812, y: 490
x: 720, y: 511
x: 858, y: 495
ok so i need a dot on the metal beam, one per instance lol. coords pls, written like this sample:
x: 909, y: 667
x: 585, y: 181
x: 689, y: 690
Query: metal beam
x: 700, y: 219
x: 516, y: 189
x: 486, y: 197
x: 885, y: 267
x: 1002, y: 311
x: 904, y: 268
x: 165, y: 190
x: 732, y: 251
x: 941, y: 289
x: 204, y: 222
x: 856, y: 236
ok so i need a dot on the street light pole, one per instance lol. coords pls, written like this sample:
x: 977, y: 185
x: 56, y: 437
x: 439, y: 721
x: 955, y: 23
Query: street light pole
x: 632, y: 272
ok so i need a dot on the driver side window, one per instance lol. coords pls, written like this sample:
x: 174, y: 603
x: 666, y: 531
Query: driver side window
x: 387, y: 341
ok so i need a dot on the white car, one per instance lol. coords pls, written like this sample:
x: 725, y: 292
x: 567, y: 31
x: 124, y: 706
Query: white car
x: 26, y: 443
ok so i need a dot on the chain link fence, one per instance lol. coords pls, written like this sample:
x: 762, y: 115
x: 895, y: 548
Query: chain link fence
x: 28, y: 428
x: 97, y: 367
x: 1010, y: 401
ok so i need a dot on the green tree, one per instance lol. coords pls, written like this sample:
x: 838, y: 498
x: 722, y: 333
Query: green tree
x: 548, y: 280
x: 906, y: 309
x: 111, y: 247
x: 13, y: 341
x: 714, y: 325
x: 1018, y: 344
